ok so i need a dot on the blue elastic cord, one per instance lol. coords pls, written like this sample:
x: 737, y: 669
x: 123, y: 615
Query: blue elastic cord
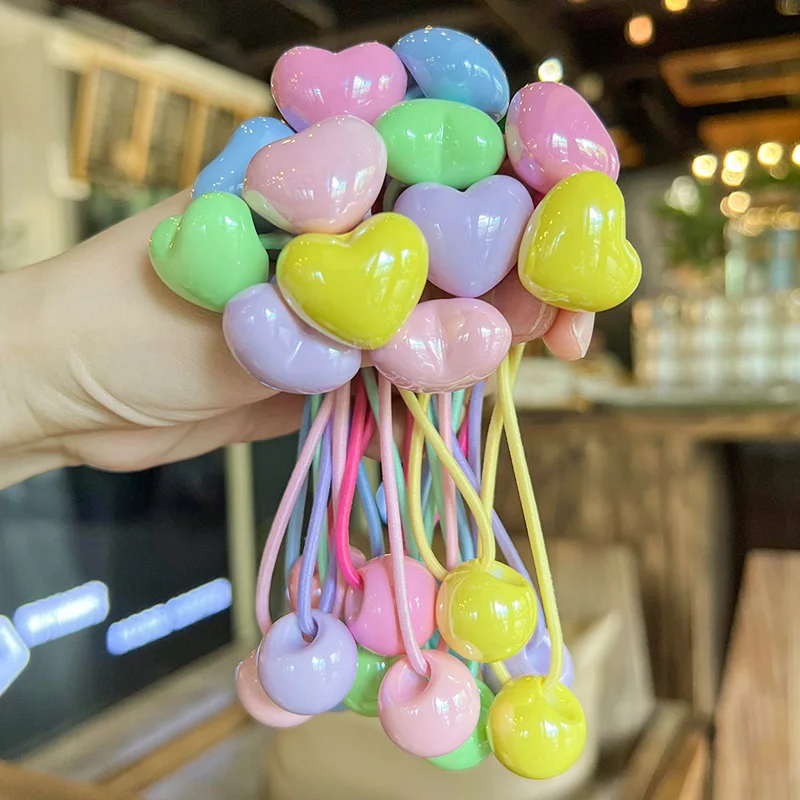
x: 371, y: 512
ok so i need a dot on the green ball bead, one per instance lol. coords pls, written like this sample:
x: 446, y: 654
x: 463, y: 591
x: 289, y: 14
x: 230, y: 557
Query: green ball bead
x: 477, y: 747
x: 363, y: 696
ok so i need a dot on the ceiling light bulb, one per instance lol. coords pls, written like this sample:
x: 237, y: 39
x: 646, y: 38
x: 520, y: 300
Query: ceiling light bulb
x: 675, y: 5
x: 737, y: 160
x: 796, y: 155
x: 639, y: 30
x: 551, y: 69
x: 770, y: 154
x: 704, y: 166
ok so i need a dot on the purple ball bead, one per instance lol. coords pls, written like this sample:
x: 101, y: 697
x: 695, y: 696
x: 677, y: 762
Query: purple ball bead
x: 533, y: 659
x: 308, y: 677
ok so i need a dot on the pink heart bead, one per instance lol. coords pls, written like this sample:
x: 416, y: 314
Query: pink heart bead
x: 310, y: 84
x: 552, y: 133
x: 293, y: 582
x: 429, y: 716
x: 257, y: 702
x: 529, y: 317
x: 445, y: 345
x: 371, y: 612
x: 323, y: 180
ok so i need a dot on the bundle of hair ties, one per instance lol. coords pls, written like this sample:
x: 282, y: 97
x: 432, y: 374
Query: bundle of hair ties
x: 423, y: 227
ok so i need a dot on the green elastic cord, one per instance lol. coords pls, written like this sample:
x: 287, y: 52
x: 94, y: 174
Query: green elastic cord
x: 372, y: 393
x: 275, y: 241
x: 322, y: 551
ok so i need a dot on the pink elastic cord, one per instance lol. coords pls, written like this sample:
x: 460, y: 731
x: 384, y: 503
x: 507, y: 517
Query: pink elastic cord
x: 413, y: 652
x: 448, y: 485
x: 282, y: 516
x: 355, y: 449
x: 463, y: 436
x: 341, y: 433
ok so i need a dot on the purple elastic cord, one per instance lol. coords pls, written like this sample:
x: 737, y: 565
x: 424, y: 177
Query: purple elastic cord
x: 292, y: 552
x: 474, y: 438
x: 318, y: 511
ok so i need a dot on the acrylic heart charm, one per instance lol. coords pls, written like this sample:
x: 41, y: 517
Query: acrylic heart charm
x: 473, y: 236
x: 211, y: 253
x: 574, y: 254
x: 450, y: 65
x: 529, y: 317
x: 552, y: 133
x: 358, y: 288
x: 226, y: 172
x: 445, y: 346
x: 310, y: 84
x: 323, y: 180
x: 278, y: 349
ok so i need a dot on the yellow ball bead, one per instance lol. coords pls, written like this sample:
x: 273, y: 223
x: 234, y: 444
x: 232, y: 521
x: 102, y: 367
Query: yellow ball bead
x: 536, y: 734
x: 486, y: 615
x: 574, y: 254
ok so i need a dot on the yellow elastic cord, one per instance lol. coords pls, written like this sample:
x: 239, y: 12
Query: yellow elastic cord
x: 501, y: 673
x: 415, y: 496
x: 532, y: 521
x: 486, y: 543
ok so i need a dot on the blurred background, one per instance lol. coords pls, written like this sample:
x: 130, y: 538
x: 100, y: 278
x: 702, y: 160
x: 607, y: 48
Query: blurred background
x: 667, y: 463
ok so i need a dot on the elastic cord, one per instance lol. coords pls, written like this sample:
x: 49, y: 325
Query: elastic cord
x: 294, y: 534
x: 373, y: 516
x: 486, y: 549
x: 322, y: 555
x: 281, y: 520
x: 348, y: 489
x: 531, y: 513
x: 318, y: 511
x: 413, y: 653
x: 475, y: 419
x: 448, y: 486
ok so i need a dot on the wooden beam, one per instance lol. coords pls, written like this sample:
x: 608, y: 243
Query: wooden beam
x: 22, y: 784
x: 386, y: 30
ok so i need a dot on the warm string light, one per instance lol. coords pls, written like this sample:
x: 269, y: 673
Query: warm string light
x: 675, y: 5
x: 704, y: 166
x: 551, y: 69
x: 639, y: 30
x: 770, y: 154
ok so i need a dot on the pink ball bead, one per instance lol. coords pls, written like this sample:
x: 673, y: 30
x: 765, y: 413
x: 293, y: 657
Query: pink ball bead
x: 256, y: 701
x: 371, y: 613
x: 431, y: 716
x: 293, y: 583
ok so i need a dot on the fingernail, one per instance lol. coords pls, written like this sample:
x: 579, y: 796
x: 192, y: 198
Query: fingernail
x: 582, y: 326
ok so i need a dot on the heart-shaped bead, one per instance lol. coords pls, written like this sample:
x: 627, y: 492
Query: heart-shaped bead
x: 439, y: 141
x: 473, y: 236
x: 574, y: 254
x: 278, y: 349
x: 226, y: 172
x: 310, y: 84
x: 450, y: 65
x: 358, y: 288
x: 529, y: 317
x: 445, y: 346
x: 552, y: 133
x: 211, y: 253
x: 323, y: 180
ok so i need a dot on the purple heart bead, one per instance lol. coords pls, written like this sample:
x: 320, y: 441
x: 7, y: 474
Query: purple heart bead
x: 473, y: 236
x: 279, y: 349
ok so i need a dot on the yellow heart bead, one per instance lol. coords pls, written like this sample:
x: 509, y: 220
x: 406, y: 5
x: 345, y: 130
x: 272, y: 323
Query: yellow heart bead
x: 535, y: 733
x: 358, y: 288
x: 574, y: 253
x: 486, y: 615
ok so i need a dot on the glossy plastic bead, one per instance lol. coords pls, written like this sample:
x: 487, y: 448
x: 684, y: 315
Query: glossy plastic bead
x: 380, y: 269
x: 429, y: 716
x: 278, y: 349
x: 536, y: 734
x: 257, y: 702
x: 371, y: 612
x: 438, y: 141
x: 323, y: 180
x: 210, y: 253
x: 574, y: 254
x: 450, y: 65
x: 528, y: 317
x: 293, y: 582
x: 445, y: 345
x: 310, y: 84
x: 226, y: 172
x: 552, y: 133
x: 307, y: 677
x: 534, y: 659
x: 363, y: 697
x: 486, y: 615
x: 473, y: 236
x: 477, y: 747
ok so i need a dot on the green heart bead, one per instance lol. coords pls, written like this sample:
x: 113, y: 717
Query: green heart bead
x: 363, y: 696
x: 211, y: 253
x: 440, y: 141
x: 477, y: 747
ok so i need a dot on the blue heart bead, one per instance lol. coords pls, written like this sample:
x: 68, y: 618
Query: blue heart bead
x: 450, y: 65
